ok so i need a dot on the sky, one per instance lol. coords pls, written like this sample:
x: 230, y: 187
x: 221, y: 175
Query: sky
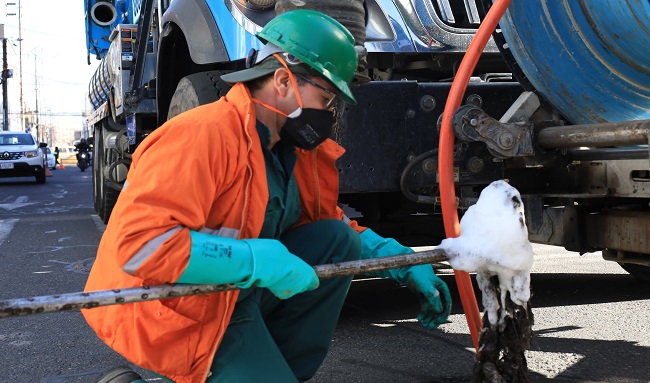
x: 53, y: 55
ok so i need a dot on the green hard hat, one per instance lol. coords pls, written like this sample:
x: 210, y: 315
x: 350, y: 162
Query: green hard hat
x: 320, y: 42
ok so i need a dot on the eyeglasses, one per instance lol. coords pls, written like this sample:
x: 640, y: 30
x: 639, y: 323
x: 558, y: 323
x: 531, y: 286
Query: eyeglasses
x: 332, y: 101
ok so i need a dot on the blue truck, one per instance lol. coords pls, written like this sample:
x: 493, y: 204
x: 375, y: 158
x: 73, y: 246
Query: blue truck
x: 559, y: 104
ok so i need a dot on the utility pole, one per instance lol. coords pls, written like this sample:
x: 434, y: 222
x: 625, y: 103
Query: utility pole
x: 36, y: 91
x: 5, y: 76
x: 20, y: 52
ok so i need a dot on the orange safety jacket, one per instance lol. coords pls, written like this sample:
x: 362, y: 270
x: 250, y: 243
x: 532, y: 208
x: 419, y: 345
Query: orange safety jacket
x: 203, y: 170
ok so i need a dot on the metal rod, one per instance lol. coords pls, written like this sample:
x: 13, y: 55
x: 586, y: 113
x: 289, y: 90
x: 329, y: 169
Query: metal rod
x: 625, y: 133
x: 141, y: 44
x: 20, y: 65
x: 5, y: 76
x: 602, y: 154
x: 92, y: 299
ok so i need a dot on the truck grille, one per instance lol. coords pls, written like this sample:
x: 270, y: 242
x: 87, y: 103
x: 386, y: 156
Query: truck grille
x: 462, y: 14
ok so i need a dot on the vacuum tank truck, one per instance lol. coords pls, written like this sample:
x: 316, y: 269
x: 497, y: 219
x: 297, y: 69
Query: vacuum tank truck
x: 559, y: 104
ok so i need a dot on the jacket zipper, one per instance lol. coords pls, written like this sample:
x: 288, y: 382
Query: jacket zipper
x: 249, y: 169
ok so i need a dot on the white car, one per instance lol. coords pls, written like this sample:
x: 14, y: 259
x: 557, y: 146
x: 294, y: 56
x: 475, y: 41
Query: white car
x: 67, y: 153
x: 20, y: 156
x: 49, y: 158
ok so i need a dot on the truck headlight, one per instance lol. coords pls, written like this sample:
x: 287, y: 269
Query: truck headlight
x: 31, y: 154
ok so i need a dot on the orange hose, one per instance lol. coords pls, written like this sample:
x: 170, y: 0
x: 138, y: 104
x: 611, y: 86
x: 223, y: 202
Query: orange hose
x: 446, y: 157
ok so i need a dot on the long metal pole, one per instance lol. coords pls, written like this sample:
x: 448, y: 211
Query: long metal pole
x: 5, y: 101
x: 20, y: 60
x: 41, y: 139
x: 89, y: 300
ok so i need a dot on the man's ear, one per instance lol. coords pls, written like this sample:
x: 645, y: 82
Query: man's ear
x: 282, y: 81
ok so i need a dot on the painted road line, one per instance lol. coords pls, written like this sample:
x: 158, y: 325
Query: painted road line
x: 101, y: 226
x: 5, y: 228
x: 17, y: 204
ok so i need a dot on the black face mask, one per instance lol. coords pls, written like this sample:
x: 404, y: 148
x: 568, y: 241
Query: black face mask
x: 309, y: 129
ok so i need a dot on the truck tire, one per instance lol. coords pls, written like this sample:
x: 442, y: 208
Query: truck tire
x: 640, y: 272
x: 40, y: 176
x: 104, y: 197
x: 197, y: 89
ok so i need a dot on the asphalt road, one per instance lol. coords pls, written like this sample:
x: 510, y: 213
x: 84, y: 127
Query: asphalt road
x: 591, y: 319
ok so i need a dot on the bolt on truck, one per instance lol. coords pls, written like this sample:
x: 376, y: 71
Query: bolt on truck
x: 558, y: 104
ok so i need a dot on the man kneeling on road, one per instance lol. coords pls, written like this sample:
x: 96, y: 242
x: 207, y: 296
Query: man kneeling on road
x: 254, y: 203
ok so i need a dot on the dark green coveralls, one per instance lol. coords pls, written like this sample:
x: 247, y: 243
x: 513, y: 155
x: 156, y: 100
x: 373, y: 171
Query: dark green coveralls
x: 271, y: 340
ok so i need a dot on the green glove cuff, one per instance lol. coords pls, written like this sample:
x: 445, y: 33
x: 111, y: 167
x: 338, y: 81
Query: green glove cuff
x: 374, y: 245
x: 433, y: 293
x: 218, y: 260
x: 418, y: 272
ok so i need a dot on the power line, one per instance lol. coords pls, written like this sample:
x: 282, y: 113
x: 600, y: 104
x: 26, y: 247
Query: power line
x: 49, y: 79
x: 48, y: 33
x: 54, y: 114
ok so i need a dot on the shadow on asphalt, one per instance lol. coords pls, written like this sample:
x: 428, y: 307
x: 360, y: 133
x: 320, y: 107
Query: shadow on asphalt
x: 588, y: 360
x: 548, y: 290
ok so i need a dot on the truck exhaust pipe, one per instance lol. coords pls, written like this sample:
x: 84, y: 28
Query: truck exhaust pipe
x: 103, y: 13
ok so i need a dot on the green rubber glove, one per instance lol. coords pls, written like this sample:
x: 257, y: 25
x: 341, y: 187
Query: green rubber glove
x: 247, y: 262
x: 432, y: 292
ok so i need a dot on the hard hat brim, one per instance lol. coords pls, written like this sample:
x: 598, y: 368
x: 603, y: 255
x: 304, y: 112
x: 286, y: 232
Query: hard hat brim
x: 264, y: 68
x: 270, y: 65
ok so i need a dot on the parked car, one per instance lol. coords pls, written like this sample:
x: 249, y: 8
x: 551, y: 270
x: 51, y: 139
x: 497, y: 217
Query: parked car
x: 67, y: 153
x: 20, y: 156
x: 49, y: 158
